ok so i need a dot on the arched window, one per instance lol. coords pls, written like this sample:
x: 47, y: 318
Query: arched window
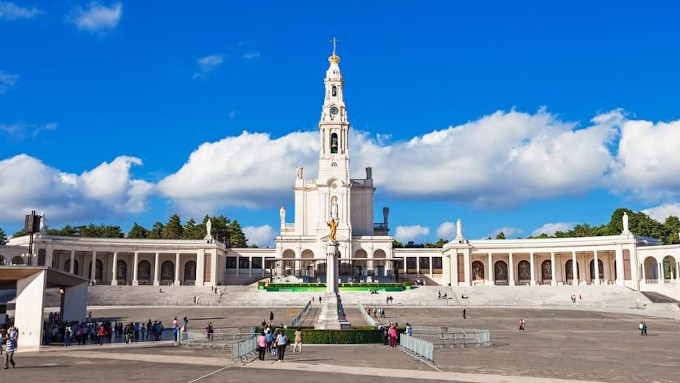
x: 144, y: 271
x: 2, y: 260
x: 17, y: 260
x: 669, y: 268
x: 67, y: 266
x: 500, y: 271
x: 98, y: 270
x: 546, y: 270
x: 600, y: 271
x: 190, y: 272
x: 523, y: 270
x: 167, y: 271
x: 334, y: 91
x: 570, y: 270
x: 121, y: 271
x: 334, y: 143
x: 477, y: 271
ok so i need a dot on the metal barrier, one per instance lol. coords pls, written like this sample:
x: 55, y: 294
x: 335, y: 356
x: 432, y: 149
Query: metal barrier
x: 445, y: 337
x: 369, y: 319
x: 220, y: 339
x: 301, y: 315
x: 418, y: 348
x: 244, y: 349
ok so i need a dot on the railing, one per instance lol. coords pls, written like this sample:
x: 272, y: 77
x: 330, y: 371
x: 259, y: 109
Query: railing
x: 218, y: 340
x: 651, y: 281
x: 301, y: 315
x: 244, y: 349
x: 369, y: 319
x: 444, y: 337
x: 379, y: 226
x: 418, y: 348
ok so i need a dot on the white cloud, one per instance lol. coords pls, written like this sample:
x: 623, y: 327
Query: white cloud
x: 22, y: 130
x: 411, y: 233
x: 28, y: 184
x: 551, y: 228
x: 251, y: 170
x: 646, y: 162
x: 7, y: 80
x: 251, y: 55
x: 503, y: 159
x: 262, y: 236
x: 97, y: 17
x: 207, y: 65
x: 508, y: 231
x: 11, y: 11
x: 446, y: 230
x: 661, y: 212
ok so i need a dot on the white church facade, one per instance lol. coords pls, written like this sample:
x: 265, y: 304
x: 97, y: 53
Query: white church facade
x: 366, y: 252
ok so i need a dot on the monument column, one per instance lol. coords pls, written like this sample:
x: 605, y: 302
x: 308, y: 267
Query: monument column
x: 114, y: 269
x: 574, y: 269
x: 73, y: 262
x: 553, y: 280
x: 597, y: 267
x: 532, y: 269
x: 511, y: 270
x: 176, y: 269
x: 156, y: 273
x: 135, y: 282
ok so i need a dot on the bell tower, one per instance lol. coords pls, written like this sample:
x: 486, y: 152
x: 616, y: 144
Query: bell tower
x: 334, y: 126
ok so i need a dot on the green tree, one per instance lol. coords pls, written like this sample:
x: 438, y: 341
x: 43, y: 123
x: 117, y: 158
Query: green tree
x: 157, y: 231
x: 396, y: 244
x: 101, y: 231
x: 174, y: 227
x: 439, y: 244
x: 500, y: 235
x: 672, y: 224
x: 66, y: 231
x: 236, y: 236
x: 3, y: 237
x: 20, y: 233
x: 190, y: 230
x: 138, y: 231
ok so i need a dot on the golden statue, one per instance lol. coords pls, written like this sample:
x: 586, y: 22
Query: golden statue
x: 333, y: 224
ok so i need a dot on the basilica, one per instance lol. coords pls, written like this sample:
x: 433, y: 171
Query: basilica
x: 333, y: 200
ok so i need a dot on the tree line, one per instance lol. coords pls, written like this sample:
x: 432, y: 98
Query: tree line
x: 223, y: 229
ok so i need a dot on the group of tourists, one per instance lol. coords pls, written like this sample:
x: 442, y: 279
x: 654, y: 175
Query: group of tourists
x: 274, y: 342
x: 390, y: 334
x: 377, y: 312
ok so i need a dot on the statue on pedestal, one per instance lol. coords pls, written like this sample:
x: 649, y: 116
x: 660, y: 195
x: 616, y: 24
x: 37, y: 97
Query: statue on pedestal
x: 333, y: 224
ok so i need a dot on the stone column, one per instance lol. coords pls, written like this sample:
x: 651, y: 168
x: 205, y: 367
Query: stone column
x: 114, y: 269
x: 677, y: 271
x: 489, y: 271
x: 596, y: 266
x: 93, y: 267
x: 660, y: 274
x: 73, y: 262
x: 644, y: 274
x: 574, y: 269
x: 417, y: 266
x: 332, y: 254
x: 467, y: 265
x: 176, y: 269
x: 238, y: 264
x: 553, y: 277
x: 511, y: 270
x: 431, y: 275
x: 250, y: 269
x: 135, y: 282
x: 532, y: 269
x: 619, y: 265
x: 156, y: 272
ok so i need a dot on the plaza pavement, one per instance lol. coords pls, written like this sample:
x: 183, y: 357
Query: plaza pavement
x: 559, y: 345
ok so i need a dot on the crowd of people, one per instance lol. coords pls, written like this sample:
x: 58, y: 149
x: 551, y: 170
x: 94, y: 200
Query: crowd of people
x: 376, y: 312
x: 274, y: 341
x: 105, y: 331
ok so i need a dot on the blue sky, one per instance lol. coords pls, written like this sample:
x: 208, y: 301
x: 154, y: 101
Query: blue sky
x: 521, y: 117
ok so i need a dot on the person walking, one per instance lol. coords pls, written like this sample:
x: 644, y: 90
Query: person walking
x: 464, y: 314
x: 644, y: 328
x: 393, y: 336
x: 298, y: 340
x: 281, y: 343
x: 262, y: 345
x: 10, y: 344
x: 209, y: 331
x: 271, y: 316
x: 640, y: 327
x: 521, y: 324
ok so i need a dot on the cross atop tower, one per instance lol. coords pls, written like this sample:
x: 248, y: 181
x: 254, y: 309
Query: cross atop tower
x: 334, y: 41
